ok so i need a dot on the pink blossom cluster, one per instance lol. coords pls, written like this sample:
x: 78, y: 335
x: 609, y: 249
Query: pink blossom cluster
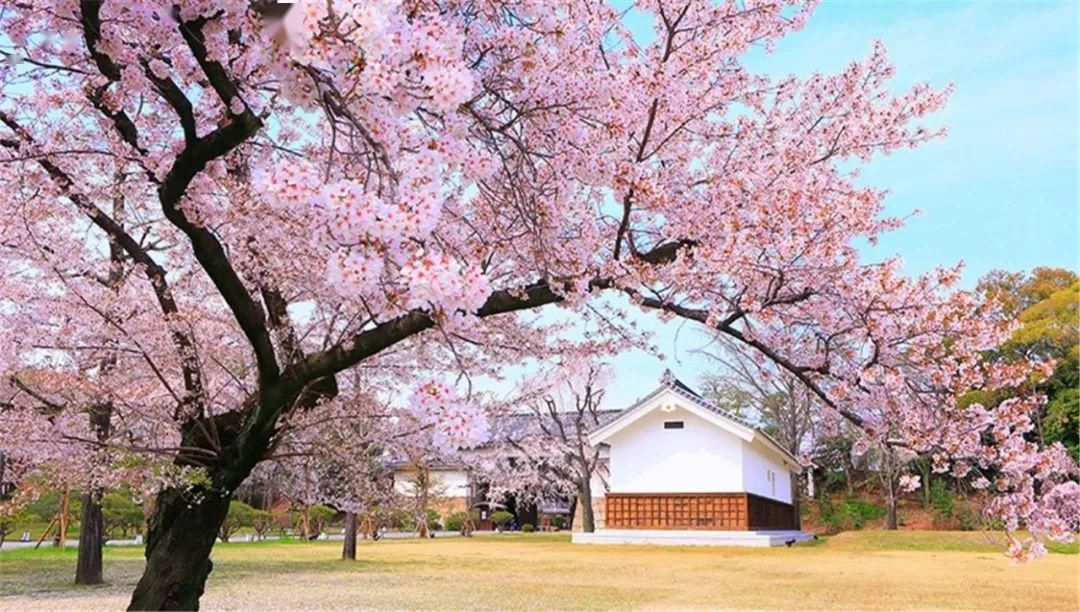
x: 909, y: 483
x: 438, y: 282
x: 454, y: 423
x: 413, y: 61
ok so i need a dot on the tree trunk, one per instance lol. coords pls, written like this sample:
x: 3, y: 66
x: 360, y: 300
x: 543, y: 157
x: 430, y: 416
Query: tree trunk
x: 62, y: 524
x: 588, y: 524
x: 926, y: 484
x: 348, y: 550
x: 305, y: 524
x: 890, y: 517
x: 181, y: 535
x: 88, y: 567
x: 185, y: 521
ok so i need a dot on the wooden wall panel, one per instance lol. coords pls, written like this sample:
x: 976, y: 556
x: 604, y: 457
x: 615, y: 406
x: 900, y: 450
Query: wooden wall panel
x: 703, y: 511
x: 768, y: 513
x: 721, y: 511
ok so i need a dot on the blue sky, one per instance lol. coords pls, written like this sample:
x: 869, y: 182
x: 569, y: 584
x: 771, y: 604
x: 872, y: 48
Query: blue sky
x: 999, y: 192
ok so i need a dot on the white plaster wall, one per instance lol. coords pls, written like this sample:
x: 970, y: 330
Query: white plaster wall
x: 700, y: 458
x: 447, y: 483
x: 758, y: 461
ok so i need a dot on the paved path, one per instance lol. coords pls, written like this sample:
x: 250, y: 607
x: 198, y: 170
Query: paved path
x: 390, y: 535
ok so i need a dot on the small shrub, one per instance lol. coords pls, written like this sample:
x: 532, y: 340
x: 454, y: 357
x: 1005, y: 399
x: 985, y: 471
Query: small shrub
x: 120, y: 513
x: 941, y: 500
x: 400, y: 519
x: 455, y: 521
x: 501, y: 518
x: 528, y: 528
x: 239, y: 515
x: 950, y: 511
x: 861, y: 512
x: 847, y: 515
x: 558, y: 522
x: 433, y: 523
x: 968, y: 519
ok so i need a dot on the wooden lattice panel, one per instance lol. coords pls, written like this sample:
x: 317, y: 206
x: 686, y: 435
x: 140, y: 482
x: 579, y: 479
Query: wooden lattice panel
x: 720, y: 511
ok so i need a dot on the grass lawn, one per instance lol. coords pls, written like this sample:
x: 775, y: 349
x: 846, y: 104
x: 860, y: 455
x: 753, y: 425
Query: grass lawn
x: 852, y: 570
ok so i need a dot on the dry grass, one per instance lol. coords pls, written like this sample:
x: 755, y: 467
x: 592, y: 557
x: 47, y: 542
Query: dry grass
x: 857, y: 570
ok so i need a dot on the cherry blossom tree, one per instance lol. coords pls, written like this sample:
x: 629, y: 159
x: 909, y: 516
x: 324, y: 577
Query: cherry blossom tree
x: 545, y: 452
x: 334, y: 455
x: 44, y: 415
x: 321, y: 187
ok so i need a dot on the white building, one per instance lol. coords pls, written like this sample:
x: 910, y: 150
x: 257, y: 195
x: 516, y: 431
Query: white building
x: 684, y: 471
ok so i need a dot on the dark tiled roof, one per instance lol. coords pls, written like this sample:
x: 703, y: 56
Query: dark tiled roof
x: 517, y: 426
x: 511, y: 427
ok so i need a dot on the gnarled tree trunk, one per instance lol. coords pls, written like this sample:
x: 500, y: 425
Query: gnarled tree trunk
x: 185, y: 522
x: 182, y: 531
x: 88, y: 567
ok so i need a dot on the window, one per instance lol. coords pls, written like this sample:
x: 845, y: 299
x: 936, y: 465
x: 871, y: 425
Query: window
x: 771, y: 477
x: 673, y: 424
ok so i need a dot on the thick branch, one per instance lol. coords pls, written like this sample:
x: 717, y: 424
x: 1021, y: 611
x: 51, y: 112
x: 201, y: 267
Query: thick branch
x: 90, y: 11
x: 207, y: 248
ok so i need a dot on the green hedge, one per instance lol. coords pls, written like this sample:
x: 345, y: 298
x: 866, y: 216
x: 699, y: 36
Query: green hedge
x: 501, y: 518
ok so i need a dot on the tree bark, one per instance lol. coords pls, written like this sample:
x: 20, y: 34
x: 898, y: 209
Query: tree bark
x: 926, y: 474
x: 588, y: 524
x: 88, y: 567
x: 305, y: 524
x: 348, y: 550
x: 890, y: 517
x: 182, y: 531
x: 62, y: 524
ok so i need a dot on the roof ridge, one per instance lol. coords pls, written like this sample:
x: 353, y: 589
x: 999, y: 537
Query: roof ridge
x: 717, y: 409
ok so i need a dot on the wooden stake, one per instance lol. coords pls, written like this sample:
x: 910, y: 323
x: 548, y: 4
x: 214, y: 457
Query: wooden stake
x: 46, y: 532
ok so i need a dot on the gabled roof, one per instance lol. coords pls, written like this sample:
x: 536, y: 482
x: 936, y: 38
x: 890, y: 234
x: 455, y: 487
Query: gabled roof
x: 695, y: 403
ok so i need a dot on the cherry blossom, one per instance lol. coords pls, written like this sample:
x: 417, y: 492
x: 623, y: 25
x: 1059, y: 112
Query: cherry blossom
x: 294, y: 193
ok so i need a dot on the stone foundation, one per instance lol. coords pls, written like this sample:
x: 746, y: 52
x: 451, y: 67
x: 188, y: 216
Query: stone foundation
x: 693, y: 538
